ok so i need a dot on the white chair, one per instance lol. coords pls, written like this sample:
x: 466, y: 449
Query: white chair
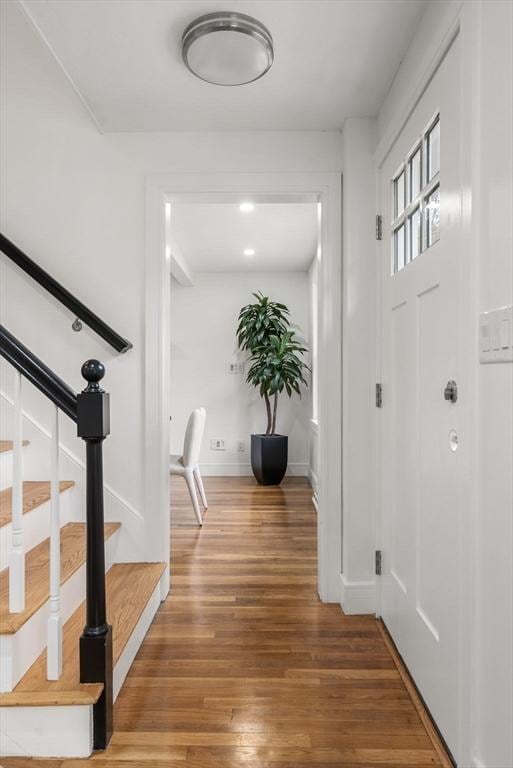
x: 187, y: 466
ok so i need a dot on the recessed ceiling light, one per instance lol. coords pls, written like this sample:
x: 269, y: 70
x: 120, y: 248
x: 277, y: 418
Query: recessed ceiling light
x: 246, y: 207
x: 226, y: 48
x: 249, y: 251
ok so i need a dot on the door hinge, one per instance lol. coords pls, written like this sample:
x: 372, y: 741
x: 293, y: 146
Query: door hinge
x: 378, y: 562
x: 379, y: 395
x: 379, y: 227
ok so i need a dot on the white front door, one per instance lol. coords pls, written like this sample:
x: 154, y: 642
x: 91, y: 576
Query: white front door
x: 423, y: 434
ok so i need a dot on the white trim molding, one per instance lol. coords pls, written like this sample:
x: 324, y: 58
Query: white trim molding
x: 357, y: 597
x: 83, y: 100
x: 323, y: 188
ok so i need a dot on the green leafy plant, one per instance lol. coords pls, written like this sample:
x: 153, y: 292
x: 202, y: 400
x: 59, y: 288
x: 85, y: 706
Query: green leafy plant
x: 275, y: 353
x: 258, y: 321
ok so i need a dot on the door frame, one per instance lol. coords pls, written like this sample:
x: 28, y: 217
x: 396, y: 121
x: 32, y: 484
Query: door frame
x: 463, y: 23
x: 326, y: 188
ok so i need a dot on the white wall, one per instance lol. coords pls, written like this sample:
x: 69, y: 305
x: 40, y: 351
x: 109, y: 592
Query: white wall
x: 359, y: 367
x: 75, y: 201
x: 203, y: 344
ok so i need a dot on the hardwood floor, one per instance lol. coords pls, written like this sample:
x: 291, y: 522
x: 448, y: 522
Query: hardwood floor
x: 243, y: 666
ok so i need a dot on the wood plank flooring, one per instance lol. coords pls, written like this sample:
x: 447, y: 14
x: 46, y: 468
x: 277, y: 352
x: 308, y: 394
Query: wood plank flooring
x: 243, y: 666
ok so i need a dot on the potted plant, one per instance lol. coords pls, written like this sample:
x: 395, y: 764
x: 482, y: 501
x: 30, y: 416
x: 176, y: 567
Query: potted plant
x: 276, y: 364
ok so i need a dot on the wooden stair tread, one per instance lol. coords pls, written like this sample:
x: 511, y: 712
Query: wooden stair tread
x: 129, y: 587
x: 73, y: 554
x: 35, y: 493
x: 6, y: 445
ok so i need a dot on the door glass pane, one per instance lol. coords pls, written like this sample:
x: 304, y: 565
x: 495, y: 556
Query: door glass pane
x: 433, y: 217
x: 433, y: 150
x: 415, y: 234
x: 399, y: 194
x: 399, y: 247
x: 415, y: 175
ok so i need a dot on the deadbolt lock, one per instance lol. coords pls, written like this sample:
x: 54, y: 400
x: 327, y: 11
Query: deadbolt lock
x: 451, y: 391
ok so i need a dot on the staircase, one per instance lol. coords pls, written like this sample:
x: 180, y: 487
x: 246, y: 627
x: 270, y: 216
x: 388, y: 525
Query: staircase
x: 72, y: 617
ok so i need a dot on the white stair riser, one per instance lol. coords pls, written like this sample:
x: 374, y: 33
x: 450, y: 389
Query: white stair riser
x: 19, y: 650
x: 46, y: 731
x: 67, y: 731
x: 5, y: 469
x: 36, y: 526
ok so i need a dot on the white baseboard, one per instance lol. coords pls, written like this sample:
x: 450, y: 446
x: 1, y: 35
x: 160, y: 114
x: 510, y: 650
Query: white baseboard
x: 295, y: 469
x: 313, y: 480
x: 357, y: 597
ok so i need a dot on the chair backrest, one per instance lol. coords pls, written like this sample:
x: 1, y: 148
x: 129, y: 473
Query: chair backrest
x: 193, y: 437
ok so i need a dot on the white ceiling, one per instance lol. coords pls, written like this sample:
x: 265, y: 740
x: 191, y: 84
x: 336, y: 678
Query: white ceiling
x: 333, y: 59
x: 211, y: 237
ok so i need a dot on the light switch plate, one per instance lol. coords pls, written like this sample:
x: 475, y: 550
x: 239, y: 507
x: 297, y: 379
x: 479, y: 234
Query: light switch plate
x: 236, y: 367
x: 496, y: 335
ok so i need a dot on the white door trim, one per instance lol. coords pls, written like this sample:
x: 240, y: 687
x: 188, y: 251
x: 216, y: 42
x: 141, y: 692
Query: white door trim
x: 439, y: 45
x: 463, y: 22
x: 326, y: 188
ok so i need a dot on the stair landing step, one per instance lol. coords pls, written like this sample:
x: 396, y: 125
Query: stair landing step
x: 35, y: 493
x: 129, y: 588
x: 7, y: 445
x: 37, y: 573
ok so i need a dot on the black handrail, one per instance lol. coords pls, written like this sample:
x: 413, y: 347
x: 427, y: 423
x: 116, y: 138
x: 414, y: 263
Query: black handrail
x: 38, y: 373
x: 63, y: 295
x: 90, y: 409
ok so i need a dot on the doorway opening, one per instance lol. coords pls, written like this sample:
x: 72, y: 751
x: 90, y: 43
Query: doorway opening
x: 258, y: 252
x: 315, y: 432
x: 225, y: 256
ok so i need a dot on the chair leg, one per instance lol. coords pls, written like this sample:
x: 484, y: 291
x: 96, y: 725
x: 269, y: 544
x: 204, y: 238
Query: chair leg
x: 199, y: 482
x: 189, y: 479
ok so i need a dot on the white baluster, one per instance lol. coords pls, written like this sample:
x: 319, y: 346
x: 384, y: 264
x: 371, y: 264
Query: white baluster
x: 54, y: 644
x: 17, y: 560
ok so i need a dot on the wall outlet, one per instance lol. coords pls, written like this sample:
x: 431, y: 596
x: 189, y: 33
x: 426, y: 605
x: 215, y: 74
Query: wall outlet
x: 236, y: 368
x: 241, y: 446
x: 217, y: 445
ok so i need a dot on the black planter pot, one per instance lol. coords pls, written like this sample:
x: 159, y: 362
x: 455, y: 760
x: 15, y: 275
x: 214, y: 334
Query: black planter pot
x: 269, y: 456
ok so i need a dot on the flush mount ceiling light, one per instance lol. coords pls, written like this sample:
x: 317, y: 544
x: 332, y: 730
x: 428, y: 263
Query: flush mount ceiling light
x: 249, y: 251
x: 227, y: 48
x: 246, y: 207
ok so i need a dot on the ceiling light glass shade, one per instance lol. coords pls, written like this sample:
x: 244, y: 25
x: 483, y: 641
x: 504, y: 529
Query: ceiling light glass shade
x: 227, y: 48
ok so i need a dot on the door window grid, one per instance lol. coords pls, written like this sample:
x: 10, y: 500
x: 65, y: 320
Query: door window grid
x: 416, y: 199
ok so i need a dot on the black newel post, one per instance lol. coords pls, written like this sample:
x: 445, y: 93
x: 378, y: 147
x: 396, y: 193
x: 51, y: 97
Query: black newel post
x: 96, y: 642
